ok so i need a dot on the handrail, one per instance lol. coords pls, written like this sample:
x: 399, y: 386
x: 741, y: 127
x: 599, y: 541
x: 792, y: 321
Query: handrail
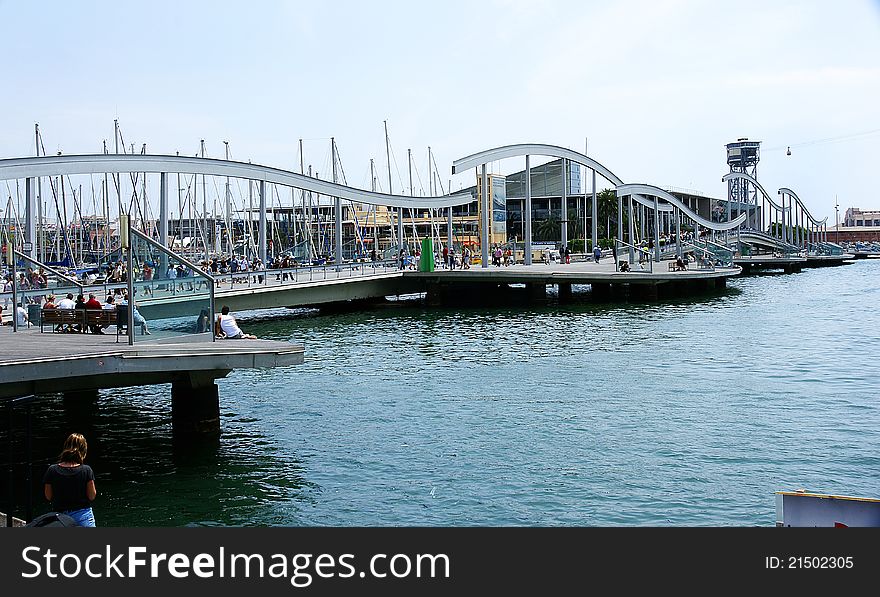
x: 646, y: 252
x: 49, y: 269
x: 159, y: 246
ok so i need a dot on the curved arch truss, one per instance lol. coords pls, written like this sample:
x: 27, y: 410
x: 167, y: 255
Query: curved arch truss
x: 553, y: 151
x: 33, y: 167
x: 646, y: 189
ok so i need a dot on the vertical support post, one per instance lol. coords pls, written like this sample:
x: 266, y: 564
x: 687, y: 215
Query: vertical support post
x: 656, y: 229
x: 129, y: 260
x: 400, y: 227
x: 677, y: 231
x: 449, y: 232
x: 262, y: 226
x: 619, y: 232
x: 484, y: 219
x: 528, y: 215
x: 563, y: 208
x: 595, y: 235
x: 163, y: 223
x: 632, y: 252
x: 30, y: 215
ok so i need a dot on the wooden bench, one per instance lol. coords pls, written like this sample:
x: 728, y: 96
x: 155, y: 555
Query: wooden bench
x: 83, y: 318
x: 60, y: 318
x: 100, y: 318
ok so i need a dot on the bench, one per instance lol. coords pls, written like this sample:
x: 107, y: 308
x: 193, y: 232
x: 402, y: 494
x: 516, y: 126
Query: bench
x: 60, y: 318
x: 83, y: 318
x: 100, y: 318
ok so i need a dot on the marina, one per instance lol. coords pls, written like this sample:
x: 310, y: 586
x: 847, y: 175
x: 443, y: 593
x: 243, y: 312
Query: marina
x: 665, y: 257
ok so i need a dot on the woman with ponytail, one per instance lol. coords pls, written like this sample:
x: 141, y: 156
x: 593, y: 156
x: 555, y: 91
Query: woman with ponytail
x: 70, y: 484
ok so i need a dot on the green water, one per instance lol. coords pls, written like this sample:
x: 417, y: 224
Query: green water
x: 674, y: 413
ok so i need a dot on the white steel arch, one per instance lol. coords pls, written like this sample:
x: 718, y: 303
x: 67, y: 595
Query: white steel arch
x: 646, y: 189
x: 791, y: 193
x: 32, y: 167
x: 746, y: 177
x: 553, y: 151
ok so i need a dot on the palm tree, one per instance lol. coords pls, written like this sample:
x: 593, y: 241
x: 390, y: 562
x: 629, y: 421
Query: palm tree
x: 607, y: 208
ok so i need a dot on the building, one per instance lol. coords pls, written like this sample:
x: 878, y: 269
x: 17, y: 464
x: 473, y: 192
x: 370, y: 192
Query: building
x: 856, y: 217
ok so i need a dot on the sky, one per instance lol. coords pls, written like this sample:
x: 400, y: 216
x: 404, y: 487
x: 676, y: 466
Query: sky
x: 651, y: 89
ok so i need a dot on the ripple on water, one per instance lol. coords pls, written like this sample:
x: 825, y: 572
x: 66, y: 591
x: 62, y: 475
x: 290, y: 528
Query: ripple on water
x: 679, y: 413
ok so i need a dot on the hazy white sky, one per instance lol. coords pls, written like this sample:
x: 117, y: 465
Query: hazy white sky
x: 658, y: 87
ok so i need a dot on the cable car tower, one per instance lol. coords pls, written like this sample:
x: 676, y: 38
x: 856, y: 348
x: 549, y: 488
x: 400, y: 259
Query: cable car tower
x: 743, y: 156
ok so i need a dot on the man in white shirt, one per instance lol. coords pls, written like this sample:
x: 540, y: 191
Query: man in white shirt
x: 229, y: 326
x: 67, y: 302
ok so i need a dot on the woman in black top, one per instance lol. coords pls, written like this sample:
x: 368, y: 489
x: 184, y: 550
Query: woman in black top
x: 70, y: 484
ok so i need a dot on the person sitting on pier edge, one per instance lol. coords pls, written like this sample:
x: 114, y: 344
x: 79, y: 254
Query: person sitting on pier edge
x: 70, y: 484
x: 679, y: 264
x: 230, y: 328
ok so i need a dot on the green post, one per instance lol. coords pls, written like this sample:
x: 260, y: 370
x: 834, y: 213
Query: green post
x: 426, y: 261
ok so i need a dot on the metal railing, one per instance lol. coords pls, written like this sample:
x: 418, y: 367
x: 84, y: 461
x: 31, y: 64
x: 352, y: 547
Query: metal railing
x: 303, y: 273
x: 644, y: 255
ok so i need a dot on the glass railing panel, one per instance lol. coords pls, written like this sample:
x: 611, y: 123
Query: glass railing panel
x: 172, y: 296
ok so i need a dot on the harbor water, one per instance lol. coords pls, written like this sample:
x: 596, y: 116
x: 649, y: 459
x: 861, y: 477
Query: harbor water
x: 676, y: 413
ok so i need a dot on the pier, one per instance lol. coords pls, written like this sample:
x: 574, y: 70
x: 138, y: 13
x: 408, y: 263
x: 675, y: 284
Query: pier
x: 78, y: 365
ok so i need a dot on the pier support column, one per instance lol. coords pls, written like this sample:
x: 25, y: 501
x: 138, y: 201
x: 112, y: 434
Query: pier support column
x: 81, y: 395
x: 647, y: 292
x: 195, y: 406
x: 564, y: 293
x: 537, y: 293
x: 600, y: 292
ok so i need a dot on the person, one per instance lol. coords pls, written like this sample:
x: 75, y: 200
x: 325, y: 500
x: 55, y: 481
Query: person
x: 70, y: 484
x: 94, y: 304
x: 624, y: 266
x: 136, y: 317
x: 230, y: 328
x: 402, y: 259
x: 679, y: 264
x: 67, y: 302
x: 597, y: 253
x: 21, y: 317
x: 50, y: 302
x: 567, y: 254
x: 203, y: 323
x: 80, y: 304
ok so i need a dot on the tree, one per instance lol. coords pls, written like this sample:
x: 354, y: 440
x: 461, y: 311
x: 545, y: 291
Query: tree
x: 607, y: 208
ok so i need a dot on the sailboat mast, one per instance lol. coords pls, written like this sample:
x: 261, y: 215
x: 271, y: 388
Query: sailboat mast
x: 229, y: 244
x: 204, y: 205
x: 375, y: 207
x: 391, y: 192
x: 337, y: 211
x: 39, y: 240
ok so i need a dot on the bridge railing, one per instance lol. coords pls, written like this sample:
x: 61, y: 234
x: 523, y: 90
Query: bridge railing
x: 300, y: 274
x: 644, y: 255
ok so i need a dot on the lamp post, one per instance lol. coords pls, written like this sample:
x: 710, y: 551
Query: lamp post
x: 836, y: 220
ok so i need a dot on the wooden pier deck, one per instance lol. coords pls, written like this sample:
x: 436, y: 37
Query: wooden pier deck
x: 37, y: 363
